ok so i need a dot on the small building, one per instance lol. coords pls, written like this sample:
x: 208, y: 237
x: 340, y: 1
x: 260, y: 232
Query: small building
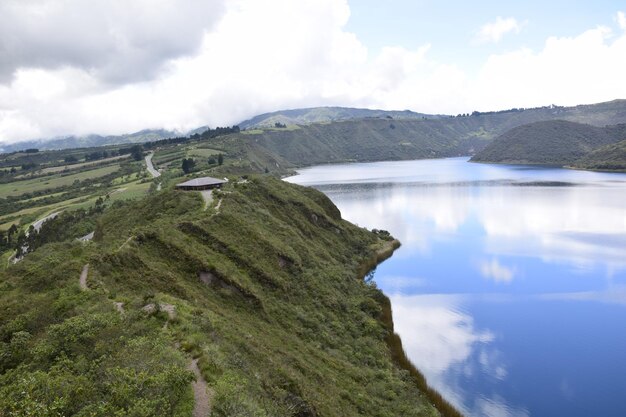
x: 199, y: 184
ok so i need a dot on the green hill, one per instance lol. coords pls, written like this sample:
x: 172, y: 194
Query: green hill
x: 361, y: 140
x: 263, y: 289
x: 606, y: 158
x: 555, y: 142
x: 325, y: 114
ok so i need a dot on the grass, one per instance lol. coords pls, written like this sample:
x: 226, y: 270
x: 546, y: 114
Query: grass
x: 50, y: 183
x: 252, y: 132
x: 131, y: 191
x: 203, y: 152
x: 29, y: 215
x: 71, y: 167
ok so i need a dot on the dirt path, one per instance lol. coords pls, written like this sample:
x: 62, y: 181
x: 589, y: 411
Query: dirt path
x: 219, y: 204
x: 125, y: 243
x: 202, y: 394
x: 83, y: 278
x: 150, y: 167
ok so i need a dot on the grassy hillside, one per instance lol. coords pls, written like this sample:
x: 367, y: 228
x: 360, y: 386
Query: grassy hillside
x: 360, y: 140
x: 556, y: 142
x: 262, y: 288
x: 606, y: 158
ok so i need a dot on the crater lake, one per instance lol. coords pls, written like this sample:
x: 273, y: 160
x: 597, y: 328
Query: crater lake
x: 509, y: 290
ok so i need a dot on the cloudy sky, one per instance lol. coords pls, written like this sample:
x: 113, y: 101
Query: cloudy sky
x: 118, y: 66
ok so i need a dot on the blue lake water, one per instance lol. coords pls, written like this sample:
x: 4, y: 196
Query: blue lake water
x: 509, y: 290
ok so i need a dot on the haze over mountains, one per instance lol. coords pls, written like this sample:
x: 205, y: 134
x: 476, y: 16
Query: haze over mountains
x: 146, y: 135
x: 327, y: 114
x: 336, y: 134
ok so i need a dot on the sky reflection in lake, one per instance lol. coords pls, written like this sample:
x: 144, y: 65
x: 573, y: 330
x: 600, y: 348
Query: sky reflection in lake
x: 509, y: 291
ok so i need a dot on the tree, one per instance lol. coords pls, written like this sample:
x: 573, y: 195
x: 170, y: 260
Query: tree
x: 188, y: 164
x: 12, y: 230
x: 220, y: 159
x: 136, y: 152
x: 212, y: 160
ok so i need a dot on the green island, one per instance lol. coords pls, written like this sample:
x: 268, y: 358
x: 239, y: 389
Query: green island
x: 123, y: 296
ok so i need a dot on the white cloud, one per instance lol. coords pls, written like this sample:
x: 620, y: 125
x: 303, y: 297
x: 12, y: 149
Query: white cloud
x: 621, y: 20
x: 494, y: 270
x: 493, y: 32
x: 110, y: 67
x: 587, y: 68
x: 116, y: 40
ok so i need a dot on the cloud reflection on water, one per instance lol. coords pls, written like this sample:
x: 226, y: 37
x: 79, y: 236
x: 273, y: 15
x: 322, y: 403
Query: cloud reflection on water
x: 494, y: 270
x: 466, y: 228
x: 440, y: 338
x: 579, y: 226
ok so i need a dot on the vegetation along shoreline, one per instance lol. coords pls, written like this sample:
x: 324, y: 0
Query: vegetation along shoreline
x: 393, y: 340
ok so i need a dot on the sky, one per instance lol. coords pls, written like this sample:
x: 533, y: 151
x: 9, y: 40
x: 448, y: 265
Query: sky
x: 76, y: 67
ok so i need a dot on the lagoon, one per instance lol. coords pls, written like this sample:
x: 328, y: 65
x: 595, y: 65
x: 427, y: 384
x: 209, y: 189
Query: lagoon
x: 509, y: 291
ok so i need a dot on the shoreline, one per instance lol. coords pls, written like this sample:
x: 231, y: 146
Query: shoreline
x: 393, y: 340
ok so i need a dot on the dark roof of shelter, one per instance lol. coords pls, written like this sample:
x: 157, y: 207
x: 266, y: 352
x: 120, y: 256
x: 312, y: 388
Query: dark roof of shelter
x: 199, y: 182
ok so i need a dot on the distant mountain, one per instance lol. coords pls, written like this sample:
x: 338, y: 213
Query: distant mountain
x: 88, y: 141
x: 555, y: 142
x: 327, y: 114
x: 463, y: 133
x: 372, y: 139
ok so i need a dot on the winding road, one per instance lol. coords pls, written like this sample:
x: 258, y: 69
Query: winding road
x: 37, y: 225
x: 151, y: 169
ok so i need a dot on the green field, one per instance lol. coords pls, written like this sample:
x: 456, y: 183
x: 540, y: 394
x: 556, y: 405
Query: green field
x: 49, y: 183
x: 202, y: 152
x: 71, y: 167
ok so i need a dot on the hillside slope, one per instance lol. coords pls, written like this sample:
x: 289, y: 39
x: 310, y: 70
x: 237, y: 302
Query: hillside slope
x: 262, y: 288
x: 555, y: 142
x: 359, y: 140
x: 606, y: 158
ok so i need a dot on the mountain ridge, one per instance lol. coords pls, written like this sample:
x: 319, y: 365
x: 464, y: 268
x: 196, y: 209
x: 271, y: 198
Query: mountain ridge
x: 481, y: 126
x: 324, y: 114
